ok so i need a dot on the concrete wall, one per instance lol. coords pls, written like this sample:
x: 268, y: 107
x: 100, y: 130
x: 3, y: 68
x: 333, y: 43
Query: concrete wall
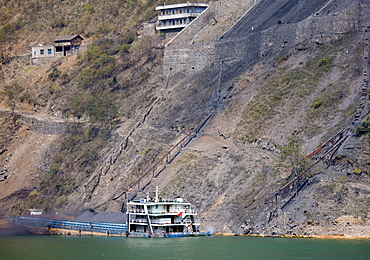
x: 39, y: 61
x: 181, y: 54
x: 189, y: 59
x: 36, y: 51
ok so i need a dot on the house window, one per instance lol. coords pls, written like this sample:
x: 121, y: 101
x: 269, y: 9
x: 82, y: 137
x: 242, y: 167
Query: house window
x: 177, y: 11
x: 42, y: 52
x: 49, y: 51
x: 34, y: 53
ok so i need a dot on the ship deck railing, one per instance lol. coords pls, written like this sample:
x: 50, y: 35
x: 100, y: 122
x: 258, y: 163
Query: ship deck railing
x: 133, y: 221
x: 113, y: 228
x: 138, y: 221
x: 160, y: 201
x: 188, y: 211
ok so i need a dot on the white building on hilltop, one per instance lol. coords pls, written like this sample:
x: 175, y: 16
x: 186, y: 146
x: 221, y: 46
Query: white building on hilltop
x: 175, y: 17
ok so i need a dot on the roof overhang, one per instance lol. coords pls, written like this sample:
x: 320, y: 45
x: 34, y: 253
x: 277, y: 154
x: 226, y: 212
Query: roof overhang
x: 67, y: 38
x: 174, y: 6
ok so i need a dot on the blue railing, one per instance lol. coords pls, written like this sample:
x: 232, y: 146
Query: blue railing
x: 112, y: 228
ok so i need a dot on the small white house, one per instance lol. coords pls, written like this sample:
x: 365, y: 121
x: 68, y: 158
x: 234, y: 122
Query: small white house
x: 62, y: 46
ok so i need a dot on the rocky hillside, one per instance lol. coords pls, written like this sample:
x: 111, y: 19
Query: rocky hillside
x: 79, y: 131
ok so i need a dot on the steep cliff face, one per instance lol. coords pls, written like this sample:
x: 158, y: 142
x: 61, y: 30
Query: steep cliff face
x: 226, y: 132
x: 283, y: 109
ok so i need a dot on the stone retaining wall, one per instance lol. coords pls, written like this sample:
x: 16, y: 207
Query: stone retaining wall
x: 182, y: 55
x: 52, y: 127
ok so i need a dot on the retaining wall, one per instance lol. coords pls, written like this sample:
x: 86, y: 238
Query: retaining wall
x: 52, y: 127
x: 184, y: 56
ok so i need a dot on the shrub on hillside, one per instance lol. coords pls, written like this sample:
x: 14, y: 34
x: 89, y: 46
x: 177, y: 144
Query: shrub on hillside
x: 364, y: 128
x: 98, y: 106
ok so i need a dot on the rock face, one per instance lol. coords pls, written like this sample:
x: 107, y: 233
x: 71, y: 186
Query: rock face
x: 240, y: 104
x: 267, y: 29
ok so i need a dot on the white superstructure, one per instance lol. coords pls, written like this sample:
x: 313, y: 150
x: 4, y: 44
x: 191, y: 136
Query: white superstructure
x: 161, y: 218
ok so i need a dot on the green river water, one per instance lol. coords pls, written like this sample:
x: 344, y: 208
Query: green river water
x: 214, y: 247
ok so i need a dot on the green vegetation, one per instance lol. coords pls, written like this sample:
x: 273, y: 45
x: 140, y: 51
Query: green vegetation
x: 364, y: 128
x: 12, y: 94
x: 327, y: 101
x: 9, y: 30
x: 98, y: 106
x: 290, y: 151
x: 317, y: 103
x: 54, y: 74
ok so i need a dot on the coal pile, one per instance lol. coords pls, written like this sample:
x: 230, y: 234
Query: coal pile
x: 107, y: 217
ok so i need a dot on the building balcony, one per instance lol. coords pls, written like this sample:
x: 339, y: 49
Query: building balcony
x: 177, y: 16
x: 169, y: 27
x: 182, y: 5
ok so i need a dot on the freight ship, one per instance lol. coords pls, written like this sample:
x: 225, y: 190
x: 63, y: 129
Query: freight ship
x: 146, y: 217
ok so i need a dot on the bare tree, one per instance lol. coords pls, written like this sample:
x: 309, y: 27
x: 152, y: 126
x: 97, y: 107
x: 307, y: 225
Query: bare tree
x: 12, y: 92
